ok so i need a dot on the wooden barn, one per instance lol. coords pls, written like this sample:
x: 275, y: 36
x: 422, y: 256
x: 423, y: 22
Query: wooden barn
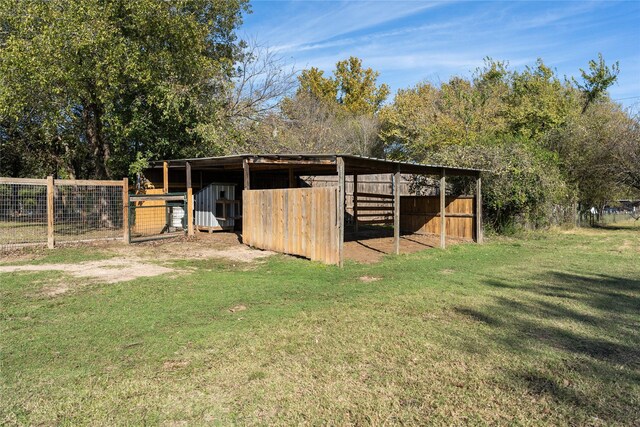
x: 310, y: 204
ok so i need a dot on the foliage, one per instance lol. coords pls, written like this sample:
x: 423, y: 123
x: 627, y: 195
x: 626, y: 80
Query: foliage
x: 326, y: 114
x: 596, y: 82
x: 354, y: 88
x: 524, y: 185
x: 530, y: 129
x: 91, y: 83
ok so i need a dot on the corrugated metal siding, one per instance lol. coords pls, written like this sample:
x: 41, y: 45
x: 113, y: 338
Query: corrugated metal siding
x: 205, y: 205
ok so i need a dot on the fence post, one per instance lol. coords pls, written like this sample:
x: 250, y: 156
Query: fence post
x: 443, y: 207
x: 50, y: 213
x: 396, y: 212
x: 190, y: 229
x: 125, y: 210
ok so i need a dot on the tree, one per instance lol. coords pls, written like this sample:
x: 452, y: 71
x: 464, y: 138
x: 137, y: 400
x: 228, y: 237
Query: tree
x: 93, y: 82
x: 354, y: 88
x: 358, y: 92
x: 313, y: 82
x: 596, y: 82
x: 538, y: 102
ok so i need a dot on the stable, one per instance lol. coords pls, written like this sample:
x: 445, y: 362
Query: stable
x: 305, y: 204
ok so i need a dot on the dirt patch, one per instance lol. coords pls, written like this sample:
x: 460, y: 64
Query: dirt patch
x: 106, y: 271
x: 55, y: 289
x: 370, y: 246
x: 204, y: 246
x: 627, y: 245
x: 172, y: 365
x: 21, y: 255
x: 238, y: 308
x: 369, y: 279
x: 447, y: 271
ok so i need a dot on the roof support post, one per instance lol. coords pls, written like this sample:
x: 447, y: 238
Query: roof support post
x: 443, y: 206
x: 292, y: 179
x: 165, y: 177
x: 396, y: 212
x: 190, y: 230
x: 247, y: 174
x: 355, y: 203
x: 479, y: 236
x: 340, y: 207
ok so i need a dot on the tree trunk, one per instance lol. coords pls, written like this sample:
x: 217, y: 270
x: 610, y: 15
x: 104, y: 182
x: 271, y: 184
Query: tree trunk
x: 92, y: 116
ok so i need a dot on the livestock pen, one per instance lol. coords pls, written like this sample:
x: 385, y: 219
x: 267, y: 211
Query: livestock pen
x: 311, y: 204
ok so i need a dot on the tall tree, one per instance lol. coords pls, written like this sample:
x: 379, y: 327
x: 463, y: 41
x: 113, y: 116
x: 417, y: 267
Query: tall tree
x: 352, y: 87
x: 92, y: 82
x: 596, y: 82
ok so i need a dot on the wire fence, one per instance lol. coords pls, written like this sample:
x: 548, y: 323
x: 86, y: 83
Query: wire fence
x: 46, y: 211
x: 88, y: 212
x: 23, y: 214
x: 158, y: 216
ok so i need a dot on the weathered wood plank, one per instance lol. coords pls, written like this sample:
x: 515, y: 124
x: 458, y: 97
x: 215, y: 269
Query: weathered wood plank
x: 341, y: 208
x: 165, y: 177
x: 25, y: 181
x: 380, y: 196
x: 478, y: 203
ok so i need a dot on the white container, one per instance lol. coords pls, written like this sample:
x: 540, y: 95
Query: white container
x: 177, y: 215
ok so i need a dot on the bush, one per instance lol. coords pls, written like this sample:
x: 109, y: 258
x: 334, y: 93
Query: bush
x: 523, y: 185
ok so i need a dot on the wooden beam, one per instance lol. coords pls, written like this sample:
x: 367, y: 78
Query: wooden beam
x: 247, y: 174
x: 50, y: 213
x: 443, y: 207
x: 340, y: 207
x: 125, y: 211
x: 165, y: 177
x: 396, y: 212
x: 479, y: 235
x: 293, y: 183
x: 379, y: 196
x: 290, y: 162
x: 355, y: 202
x: 30, y: 181
x: 99, y: 182
x: 190, y: 229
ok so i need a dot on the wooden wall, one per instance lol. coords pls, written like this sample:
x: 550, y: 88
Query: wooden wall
x: 421, y: 215
x: 150, y: 221
x: 297, y: 221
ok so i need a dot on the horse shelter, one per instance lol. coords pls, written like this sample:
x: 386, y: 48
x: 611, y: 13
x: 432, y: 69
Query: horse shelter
x: 309, y: 205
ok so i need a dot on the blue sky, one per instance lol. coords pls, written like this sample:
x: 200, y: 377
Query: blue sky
x: 412, y: 41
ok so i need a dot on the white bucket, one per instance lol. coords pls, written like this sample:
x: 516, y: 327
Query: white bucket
x: 177, y: 215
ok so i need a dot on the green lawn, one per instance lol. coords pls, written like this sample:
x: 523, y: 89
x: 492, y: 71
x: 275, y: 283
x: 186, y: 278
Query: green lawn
x: 543, y: 329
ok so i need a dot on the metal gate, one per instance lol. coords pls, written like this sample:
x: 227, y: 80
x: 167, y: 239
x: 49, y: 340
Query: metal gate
x: 157, y: 216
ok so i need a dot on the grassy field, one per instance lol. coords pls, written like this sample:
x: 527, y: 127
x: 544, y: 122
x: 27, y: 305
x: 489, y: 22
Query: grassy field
x: 541, y: 329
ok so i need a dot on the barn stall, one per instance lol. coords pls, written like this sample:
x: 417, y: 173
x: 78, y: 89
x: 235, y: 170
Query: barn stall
x: 309, y: 205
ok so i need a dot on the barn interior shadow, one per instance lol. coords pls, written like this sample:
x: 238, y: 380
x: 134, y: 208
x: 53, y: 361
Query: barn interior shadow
x: 553, y: 312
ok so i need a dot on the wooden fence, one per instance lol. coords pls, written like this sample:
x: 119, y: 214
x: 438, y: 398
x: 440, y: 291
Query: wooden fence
x: 297, y: 221
x: 421, y: 215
